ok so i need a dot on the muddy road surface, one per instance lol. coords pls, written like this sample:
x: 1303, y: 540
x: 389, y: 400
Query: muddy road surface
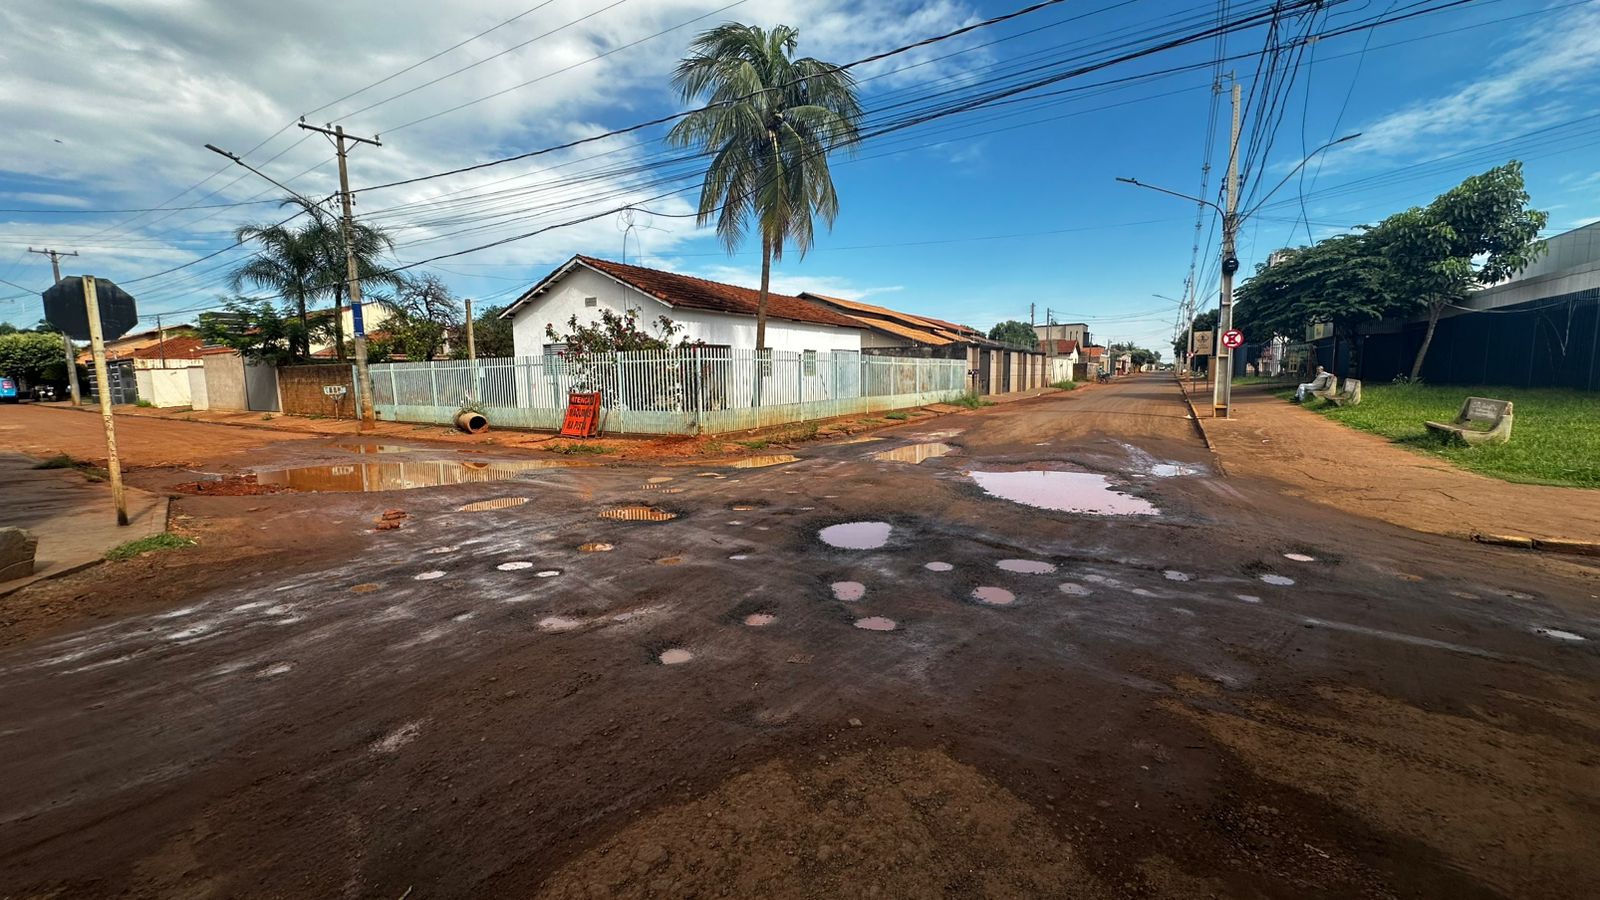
x: 1059, y: 656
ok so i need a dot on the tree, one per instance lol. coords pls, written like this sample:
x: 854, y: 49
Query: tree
x: 1015, y: 334
x: 614, y: 333
x: 426, y: 313
x: 1141, y: 356
x: 1343, y: 281
x: 490, y: 333
x: 256, y: 329
x: 769, y: 123
x: 1433, y: 248
x: 32, y: 357
x: 370, y: 243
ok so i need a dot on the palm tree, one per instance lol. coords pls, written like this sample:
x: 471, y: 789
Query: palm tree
x: 370, y: 243
x: 769, y: 123
x: 288, y: 263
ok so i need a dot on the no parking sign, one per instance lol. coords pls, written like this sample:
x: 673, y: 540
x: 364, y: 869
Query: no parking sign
x: 1233, y: 339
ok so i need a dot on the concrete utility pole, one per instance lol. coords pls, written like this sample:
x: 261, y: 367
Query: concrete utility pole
x: 66, y: 342
x: 97, y: 348
x: 352, y: 271
x: 1222, y: 396
x: 472, y: 355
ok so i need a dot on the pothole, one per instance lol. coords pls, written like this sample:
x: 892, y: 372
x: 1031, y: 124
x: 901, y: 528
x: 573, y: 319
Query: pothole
x: 1026, y: 566
x: 427, y: 576
x: 875, y: 623
x: 914, y: 453
x: 365, y: 588
x: 1558, y: 634
x: 1278, y: 580
x: 1077, y: 492
x: 496, y: 503
x: 937, y: 566
x: 675, y: 656
x: 1299, y: 557
x: 514, y: 566
x: 760, y: 620
x: 848, y: 591
x: 1175, y: 575
x: 559, y: 623
x: 1072, y: 589
x: 761, y: 462
x: 856, y: 535
x: 993, y: 596
x: 638, y: 513
x: 596, y: 547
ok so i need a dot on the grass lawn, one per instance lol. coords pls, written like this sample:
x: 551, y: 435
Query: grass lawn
x: 1555, y: 438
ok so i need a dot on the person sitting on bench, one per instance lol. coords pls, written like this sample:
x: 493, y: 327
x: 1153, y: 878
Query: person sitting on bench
x: 1322, y: 382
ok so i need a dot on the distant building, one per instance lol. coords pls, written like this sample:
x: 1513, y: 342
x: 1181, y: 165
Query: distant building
x: 1074, y: 331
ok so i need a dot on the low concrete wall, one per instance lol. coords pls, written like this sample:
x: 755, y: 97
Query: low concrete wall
x: 300, y: 389
x: 198, y: 396
x: 225, y: 382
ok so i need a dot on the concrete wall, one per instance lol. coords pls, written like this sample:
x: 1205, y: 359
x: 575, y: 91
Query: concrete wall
x: 261, y: 387
x: 198, y: 397
x: 225, y: 381
x: 164, y: 387
x: 565, y: 298
x: 300, y: 390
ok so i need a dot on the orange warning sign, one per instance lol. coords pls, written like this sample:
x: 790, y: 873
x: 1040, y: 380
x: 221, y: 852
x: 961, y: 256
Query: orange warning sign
x: 583, y: 414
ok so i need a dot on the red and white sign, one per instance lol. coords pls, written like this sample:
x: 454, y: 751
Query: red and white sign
x: 1233, y: 339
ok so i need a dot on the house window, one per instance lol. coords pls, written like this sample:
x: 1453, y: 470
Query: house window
x: 808, y: 363
x: 591, y: 302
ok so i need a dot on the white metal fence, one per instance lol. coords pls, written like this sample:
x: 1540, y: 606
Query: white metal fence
x: 689, y: 391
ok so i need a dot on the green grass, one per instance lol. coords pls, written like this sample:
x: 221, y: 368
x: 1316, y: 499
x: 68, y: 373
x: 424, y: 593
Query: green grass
x: 971, y: 401
x: 143, y: 403
x: 1065, y: 385
x: 573, y: 449
x: 758, y: 444
x: 1555, y: 438
x: 897, y: 416
x: 1242, y: 380
x: 163, y: 541
x: 86, y: 469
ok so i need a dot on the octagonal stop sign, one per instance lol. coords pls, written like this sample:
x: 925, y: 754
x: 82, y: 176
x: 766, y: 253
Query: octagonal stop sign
x: 64, y: 308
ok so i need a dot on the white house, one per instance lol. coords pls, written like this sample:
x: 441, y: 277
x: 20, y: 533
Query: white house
x: 711, y: 313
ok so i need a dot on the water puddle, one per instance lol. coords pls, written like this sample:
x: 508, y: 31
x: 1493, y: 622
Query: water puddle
x: 1279, y: 580
x: 1077, y: 492
x: 760, y: 620
x: 856, y: 440
x: 496, y: 503
x: 993, y: 596
x: 739, y: 556
x: 761, y: 462
x: 1026, y: 566
x: 1299, y: 557
x: 661, y: 488
x: 875, y: 623
x: 638, y: 513
x: 514, y: 566
x: 547, y: 573
x: 856, y: 535
x: 423, y: 576
x: 937, y: 566
x: 915, y: 453
x: 596, y: 547
x: 275, y: 670
x: 1172, y: 470
x: 675, y: 656
x: 1558, y: 634
x: 559, y: 623
x: 400, y: 476
x: 1248, y: 598
x: 660, y: 479
x: 1072, y: 589
x: 669, y: 561
x: 1175, y: 575
x: 848, y: 591
x: 369, y: 447
x: 366, y: 588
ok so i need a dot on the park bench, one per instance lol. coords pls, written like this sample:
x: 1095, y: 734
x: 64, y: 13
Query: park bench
x: 1351, y: 395
x: 1481, y: 421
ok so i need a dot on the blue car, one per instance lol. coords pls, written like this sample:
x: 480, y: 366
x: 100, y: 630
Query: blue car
x: 8, y: 391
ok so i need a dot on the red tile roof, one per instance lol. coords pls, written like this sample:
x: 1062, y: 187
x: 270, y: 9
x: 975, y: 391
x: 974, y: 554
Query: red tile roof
x: 180, y: 347
x: 1063, y: 347
x: 918, y: 328
x: 688, y: 292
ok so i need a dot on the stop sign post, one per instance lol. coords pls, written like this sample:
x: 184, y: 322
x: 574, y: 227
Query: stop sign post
x: 74, y: 305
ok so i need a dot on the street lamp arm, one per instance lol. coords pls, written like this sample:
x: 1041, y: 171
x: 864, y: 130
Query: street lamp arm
x: 1257, y: 208
x: 1137, y: 183
x: 313, y: 208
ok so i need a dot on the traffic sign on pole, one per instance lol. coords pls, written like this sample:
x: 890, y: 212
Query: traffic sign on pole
x: 1233, y: 339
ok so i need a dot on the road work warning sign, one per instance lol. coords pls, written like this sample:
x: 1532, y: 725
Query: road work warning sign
x: 583, y: 415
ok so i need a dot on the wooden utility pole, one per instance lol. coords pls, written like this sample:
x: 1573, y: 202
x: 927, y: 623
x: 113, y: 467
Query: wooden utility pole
x: 352, y: 271
x: 97, y: 348
x: 66, y: 342
x: 1222, y: 395
x: 472, y: 346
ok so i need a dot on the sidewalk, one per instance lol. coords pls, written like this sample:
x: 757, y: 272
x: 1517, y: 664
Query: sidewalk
x: 71, y: 516
x: 1322, y: 461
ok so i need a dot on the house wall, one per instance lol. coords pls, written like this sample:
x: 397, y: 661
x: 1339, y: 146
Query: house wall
x: 198, y: 396
x: 300, y: 390
x: 565, y: 298
x: 225, y: 381
x: 164, y: 387
x: 1071, y: 332
x: 374, y: 316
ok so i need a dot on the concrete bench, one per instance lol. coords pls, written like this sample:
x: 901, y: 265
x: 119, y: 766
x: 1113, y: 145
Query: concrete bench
x: 1351, y: 395
x: 1482, y: 420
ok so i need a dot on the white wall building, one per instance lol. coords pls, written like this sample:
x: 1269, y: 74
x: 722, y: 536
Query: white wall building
x: 711, y: 313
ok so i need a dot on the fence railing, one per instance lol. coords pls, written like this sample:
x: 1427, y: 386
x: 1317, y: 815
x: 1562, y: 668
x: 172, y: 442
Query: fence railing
x: 688, y: 391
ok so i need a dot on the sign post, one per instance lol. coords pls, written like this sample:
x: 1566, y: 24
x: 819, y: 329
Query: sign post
x: 97, y: 347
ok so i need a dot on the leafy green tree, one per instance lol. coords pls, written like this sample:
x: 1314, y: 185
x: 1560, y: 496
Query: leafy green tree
x: 31, y: 356
x: 1015, y: 334
x: 426, y: 313
x: 1478, y: 233
x: 257, y: 330
x: 769, y: 123
x: 490, y: 333
x: 1140, y: 355
x: 615, y: 333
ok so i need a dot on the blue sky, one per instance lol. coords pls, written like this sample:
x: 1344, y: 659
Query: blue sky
x: 971, y: 218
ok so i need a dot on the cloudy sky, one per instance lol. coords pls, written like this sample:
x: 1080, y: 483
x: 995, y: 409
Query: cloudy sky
x: 108, y: 107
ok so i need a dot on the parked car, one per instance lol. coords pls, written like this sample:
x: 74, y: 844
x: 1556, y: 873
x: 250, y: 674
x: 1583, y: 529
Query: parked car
x: 8, y: 390
x: 44, y: 393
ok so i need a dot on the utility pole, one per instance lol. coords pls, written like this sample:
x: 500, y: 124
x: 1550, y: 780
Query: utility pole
x: 66, y: 342
x: 472, y: 355
x: 161, y: 341
x: 1222, y: 396
x: 97, y: 348
x: 352, y: 271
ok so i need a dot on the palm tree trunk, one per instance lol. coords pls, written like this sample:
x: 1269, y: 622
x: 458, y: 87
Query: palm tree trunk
x: 305, y: 330
x: 761, y: 317
x: 1434, y: 308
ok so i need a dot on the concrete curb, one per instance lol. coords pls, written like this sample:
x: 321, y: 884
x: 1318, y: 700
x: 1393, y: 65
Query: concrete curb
x: 1566, y: 546
x: 1194, y: 416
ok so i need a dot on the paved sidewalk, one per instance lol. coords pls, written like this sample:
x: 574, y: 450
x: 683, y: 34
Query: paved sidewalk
x: 1320, y: 460
x: 72, y: 517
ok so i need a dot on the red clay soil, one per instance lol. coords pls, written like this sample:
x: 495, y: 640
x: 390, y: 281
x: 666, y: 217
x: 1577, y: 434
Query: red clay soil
x: 1320, y: 460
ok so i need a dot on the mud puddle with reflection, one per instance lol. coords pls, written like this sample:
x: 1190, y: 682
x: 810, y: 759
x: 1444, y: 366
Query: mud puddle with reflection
x: 366, y: 447
x: 914, y: 453
x: 638, y: 513
x: 856, y: 535
x: 496, y: 503
x: 400, y: 476
x: 761, y: 462
x: 1076, y: 492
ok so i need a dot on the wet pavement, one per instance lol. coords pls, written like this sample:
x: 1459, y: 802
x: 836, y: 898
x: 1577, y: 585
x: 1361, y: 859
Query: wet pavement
x: 1202, y: 688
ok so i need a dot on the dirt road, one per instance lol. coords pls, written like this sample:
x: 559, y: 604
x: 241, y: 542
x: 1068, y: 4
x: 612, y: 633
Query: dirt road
x: 1213, y: 689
